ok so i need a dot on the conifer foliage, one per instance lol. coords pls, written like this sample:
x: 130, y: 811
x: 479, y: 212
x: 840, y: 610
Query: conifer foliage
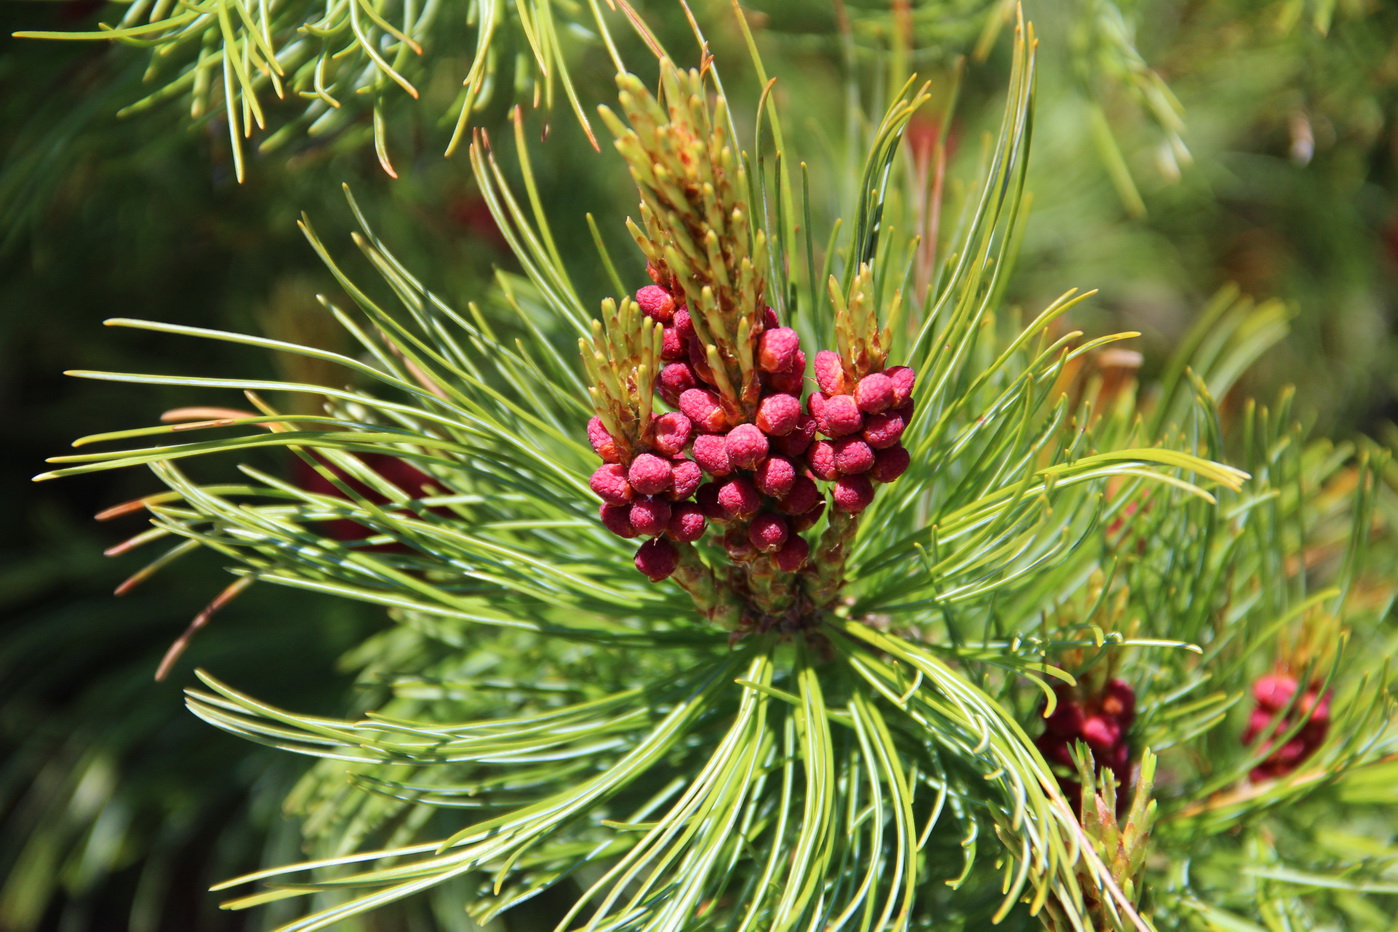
x: 936, y: 618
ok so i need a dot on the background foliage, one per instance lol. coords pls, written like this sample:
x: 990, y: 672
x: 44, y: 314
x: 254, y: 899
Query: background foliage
x: 1179, y: 147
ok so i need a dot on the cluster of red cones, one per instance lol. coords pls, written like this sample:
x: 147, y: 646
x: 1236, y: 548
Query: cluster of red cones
x: 758, y: 476
x: 1275, y: 716
x: 1102, y: 722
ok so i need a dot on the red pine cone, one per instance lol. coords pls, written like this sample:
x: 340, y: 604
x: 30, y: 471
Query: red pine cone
x: 673, y: 347
x: 776, y: 349
x: 701, y: 406
x: 602, y: 443
x: 650, y: 474
x: 840, y: 417
x: 687, y: 476
x: 853, y: 456
x: 793, y: 554
x: 656, y: 303
x: 830, y: 372
x: 777, y: 415
x: 804, y: 496
x: 874, y: 393
x: 903, y: 380
x: 711, y: 453
x: 676, y: 379
x: 799, y: 439
x: 617, y: 519
x: 882, y: 431
x: 650, y: 516
x: 672, y: 433
x: 746, y: 445
x: 657, y: 559
x: 890, y: 464
x: 738, y: 497
x: 853, y: 493
x: 792, y: 379
x: 687, y: 522
x: 768, y: 532
x: 775, y: 476
x: 821, y: 460
x: 609, y: 482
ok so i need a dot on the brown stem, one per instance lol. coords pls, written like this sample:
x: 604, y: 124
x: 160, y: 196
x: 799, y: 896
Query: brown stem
x: 715, y: 603
x: 827, y: 567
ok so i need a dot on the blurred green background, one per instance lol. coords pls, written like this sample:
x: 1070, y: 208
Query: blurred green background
x: 1274, y: 171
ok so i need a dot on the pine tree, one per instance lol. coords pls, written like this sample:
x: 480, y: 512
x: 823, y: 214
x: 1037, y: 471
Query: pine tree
x: 753, y: 561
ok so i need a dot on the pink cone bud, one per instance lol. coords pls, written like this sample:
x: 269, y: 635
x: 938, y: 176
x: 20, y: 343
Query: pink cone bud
x: 874, y: 393
x: 738, y: 497
x: 711, y: 453
x: 1274, y: 691
x: 882, y: 431
x: 799, y: 440
x: 672, y: 433
x: 804, y: 496
x: 903, y: 380
x: 853, y: 493
x: 807, y: 519
x: 1316, y: 711
x: 617, y: 519
x: 830, y: 372
x: 890, y: 464
x: 684, y: 326
x: 747, y: 445
x: 1290, y: 754
x: 657, y: 558
x: 687, y: 475
x: 1119, y: 760
x: 609, y: 482
x: 792, y: 379
x: 673, y: 347
x: 777, y: 348
x: 1066, y: 720
x: 701, y: 406
x: 687, y: 522
x: 816, y: 403
x: 650, y: 516
x: 1101, y: 732
x: 905, y: 411
x: 656, y: 303
x: 1258, y: 722
x: 777, y: 414
x: 853, y: 456
x: 821, y: 459
x: 1119, y: 701
x: 675, y: 380
x: 706, y: 497
x: 650, y: 475
x: 775, y: 476
x: 769, y: 319
x: 840, y: 417
x: 793, y: 554
x: 767, y: 532
x: 602, y: 443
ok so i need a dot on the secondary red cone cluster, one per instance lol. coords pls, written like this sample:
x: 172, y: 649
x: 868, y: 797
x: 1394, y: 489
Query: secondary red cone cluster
x: 1276, y: 713
x: 759, y: 477
x: 1102, y: 722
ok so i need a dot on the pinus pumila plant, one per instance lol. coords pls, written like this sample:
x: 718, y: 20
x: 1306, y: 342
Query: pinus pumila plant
x: 846, y: 732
